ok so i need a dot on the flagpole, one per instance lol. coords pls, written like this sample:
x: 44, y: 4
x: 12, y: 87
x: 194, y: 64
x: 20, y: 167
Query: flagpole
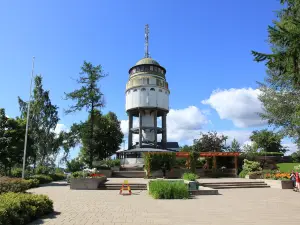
x: 27, y: 120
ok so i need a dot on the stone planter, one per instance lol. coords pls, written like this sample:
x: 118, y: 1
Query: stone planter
x: 86, y: 183
x: 107, y: 173
x: 115, y: 168
x: 280, y: 184
x: 193, y: 185
x: 255, y: 176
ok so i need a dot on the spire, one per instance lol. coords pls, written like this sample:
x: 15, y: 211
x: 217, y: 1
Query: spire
x: 147, y: 41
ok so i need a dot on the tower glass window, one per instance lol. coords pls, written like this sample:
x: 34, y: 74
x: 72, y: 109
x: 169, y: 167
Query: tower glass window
x: 134, y: 90
x: 143, y: 89
x: 151, y: 68
x: 142, y: 68
x: 152, y: 89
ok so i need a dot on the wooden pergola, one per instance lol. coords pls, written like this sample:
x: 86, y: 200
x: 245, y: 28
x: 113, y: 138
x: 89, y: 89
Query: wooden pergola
x: 214, y: 155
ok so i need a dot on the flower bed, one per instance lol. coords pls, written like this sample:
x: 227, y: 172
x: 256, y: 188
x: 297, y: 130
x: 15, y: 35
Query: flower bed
x: 22, y: 208
x: 277, y: 176
x: 161, y: 189
x: 86, y: 180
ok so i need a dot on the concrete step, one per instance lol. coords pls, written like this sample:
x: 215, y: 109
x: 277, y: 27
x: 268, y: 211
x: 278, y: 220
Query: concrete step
x: 119, y: 185
x: 234, y: 183
x: 235, y: 187
x: 131, y: 169
x: 231, y: 185
x: 129, y: 174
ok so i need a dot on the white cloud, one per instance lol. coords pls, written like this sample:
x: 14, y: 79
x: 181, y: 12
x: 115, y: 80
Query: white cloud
x: 183, y: 125
x: 60, y: 127
x: 292, y: 147
x: 241, y: 106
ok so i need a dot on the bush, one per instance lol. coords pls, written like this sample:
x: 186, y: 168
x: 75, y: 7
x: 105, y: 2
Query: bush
x: 79, y: 174
x: 57, y: 176
x: 243, y: 173
x: 190, y: 176
x: 43, y: 179
x: 16, y: 172
x: 168, y: 190
x: 22, y: 208
x: 33, y: 183
x: 251, y: 166
x: 155, y: 161
x: 13, y: 185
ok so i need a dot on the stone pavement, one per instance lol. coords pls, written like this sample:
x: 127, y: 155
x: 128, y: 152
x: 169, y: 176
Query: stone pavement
x: 264, y: 206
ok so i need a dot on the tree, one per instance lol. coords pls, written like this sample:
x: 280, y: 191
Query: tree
x: 280, y: 91
x: 89, y: 97
x: 210, y: 142
x: 43, y: 121
x: 268, y: 141
x: 107, y: 136
x: 296, y: 156
x: 235, y: 146
x: 186, y: 148
x: 75, y: 165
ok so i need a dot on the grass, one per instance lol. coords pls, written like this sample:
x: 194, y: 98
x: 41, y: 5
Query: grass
x: 287, y: 167
x: 168, y: 190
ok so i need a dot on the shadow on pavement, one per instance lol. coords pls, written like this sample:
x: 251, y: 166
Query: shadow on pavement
x: 46, y: 217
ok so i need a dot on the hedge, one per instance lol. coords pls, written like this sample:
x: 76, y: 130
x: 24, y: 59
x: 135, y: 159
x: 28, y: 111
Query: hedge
x: 43, y: 179
x: 155, y: 161
x: 190, y: 176
x: 13, y: 185
x: 168, y: 190
x: 22, y: 208
x: 57, y: 176
x: 33, y: 183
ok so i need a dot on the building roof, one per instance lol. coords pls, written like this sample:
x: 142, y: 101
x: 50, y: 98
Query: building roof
x: 147, y: 61
x: 170, y: 144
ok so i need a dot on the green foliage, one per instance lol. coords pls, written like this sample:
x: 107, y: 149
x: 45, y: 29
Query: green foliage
x: 251, y: 166
x: 16, y: 172
x: 267, y: 141
x: 210, y: 142
x: 74, y: 165
x: 21, y: 208
x: 33, y: 183
x: 190, y: 176
x: 155, y: 161
x: 296, y: 156
x: 79, y: 174
x: 43, y: 121
x: 13, y: 185
x: 186, y: 148
x: 43, y: 179
x: 281, y: 90
x: 57, y: 176
x: 243, y: 173
x: 109, y: 163
x: 91, y: 98
x: 43, y: 170
x: 235, y: 146
x: 180, y: 162
x: 168, y: 190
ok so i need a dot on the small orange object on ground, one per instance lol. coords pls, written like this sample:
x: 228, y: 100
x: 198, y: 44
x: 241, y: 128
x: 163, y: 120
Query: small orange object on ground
x: 125, y: 186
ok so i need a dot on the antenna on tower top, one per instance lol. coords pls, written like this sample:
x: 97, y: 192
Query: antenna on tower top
x: 147, y: 41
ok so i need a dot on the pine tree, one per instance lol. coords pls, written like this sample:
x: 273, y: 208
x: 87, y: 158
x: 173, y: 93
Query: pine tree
x: 281, y: 90
x: 89, y: 97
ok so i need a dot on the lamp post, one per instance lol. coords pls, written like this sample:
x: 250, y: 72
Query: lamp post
x: 27, y: 121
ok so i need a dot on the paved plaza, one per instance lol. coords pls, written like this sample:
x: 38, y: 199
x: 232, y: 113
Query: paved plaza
x: 264, y: 206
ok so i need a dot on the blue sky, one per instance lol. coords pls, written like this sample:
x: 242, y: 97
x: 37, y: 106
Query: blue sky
x: 204, y: 45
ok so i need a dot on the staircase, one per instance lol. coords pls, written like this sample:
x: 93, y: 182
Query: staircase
x: 232, y: 185
x: 129, y: 174
x: 117, y: 186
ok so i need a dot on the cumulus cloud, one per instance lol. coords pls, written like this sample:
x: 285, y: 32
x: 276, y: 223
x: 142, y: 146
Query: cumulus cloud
x: 241, y: 106
x: 292, y: 147
x: 183, y: 125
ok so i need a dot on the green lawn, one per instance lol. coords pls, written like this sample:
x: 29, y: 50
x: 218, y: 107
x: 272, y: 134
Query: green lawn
x: 287, y: 167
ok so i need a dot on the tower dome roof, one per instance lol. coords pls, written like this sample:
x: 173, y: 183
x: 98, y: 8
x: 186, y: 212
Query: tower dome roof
x: 147, y: 61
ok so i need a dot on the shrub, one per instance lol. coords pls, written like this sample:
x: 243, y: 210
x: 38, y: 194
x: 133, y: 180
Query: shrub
x: 168, y: 190
x: 33, y: 183
x: 13, y: 185
x: 22, y: 208
x: 155, y: 161
x: 243, y: 173
x: 251, y: 166
x: 57, y: 176
x: 79, y: 174
x: 43, y: 179
x: 190, y: 176
x: 16, y: 172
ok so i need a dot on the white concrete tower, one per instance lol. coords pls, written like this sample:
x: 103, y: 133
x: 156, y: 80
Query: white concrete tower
x: 147, y: 97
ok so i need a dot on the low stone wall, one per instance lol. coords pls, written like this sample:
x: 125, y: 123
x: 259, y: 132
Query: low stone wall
x: 86, y: 183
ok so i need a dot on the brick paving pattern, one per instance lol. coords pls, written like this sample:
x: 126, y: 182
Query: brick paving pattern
x: 235, y: 207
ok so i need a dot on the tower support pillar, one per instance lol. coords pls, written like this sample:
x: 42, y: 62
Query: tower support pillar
x: 129, y: 130
x: 140, y: 129
x: 155, y: 128
x: 164, y: 131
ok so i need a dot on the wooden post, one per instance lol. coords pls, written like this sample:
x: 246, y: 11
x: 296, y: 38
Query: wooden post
x: 214, y: 162
x: 236, y: 164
